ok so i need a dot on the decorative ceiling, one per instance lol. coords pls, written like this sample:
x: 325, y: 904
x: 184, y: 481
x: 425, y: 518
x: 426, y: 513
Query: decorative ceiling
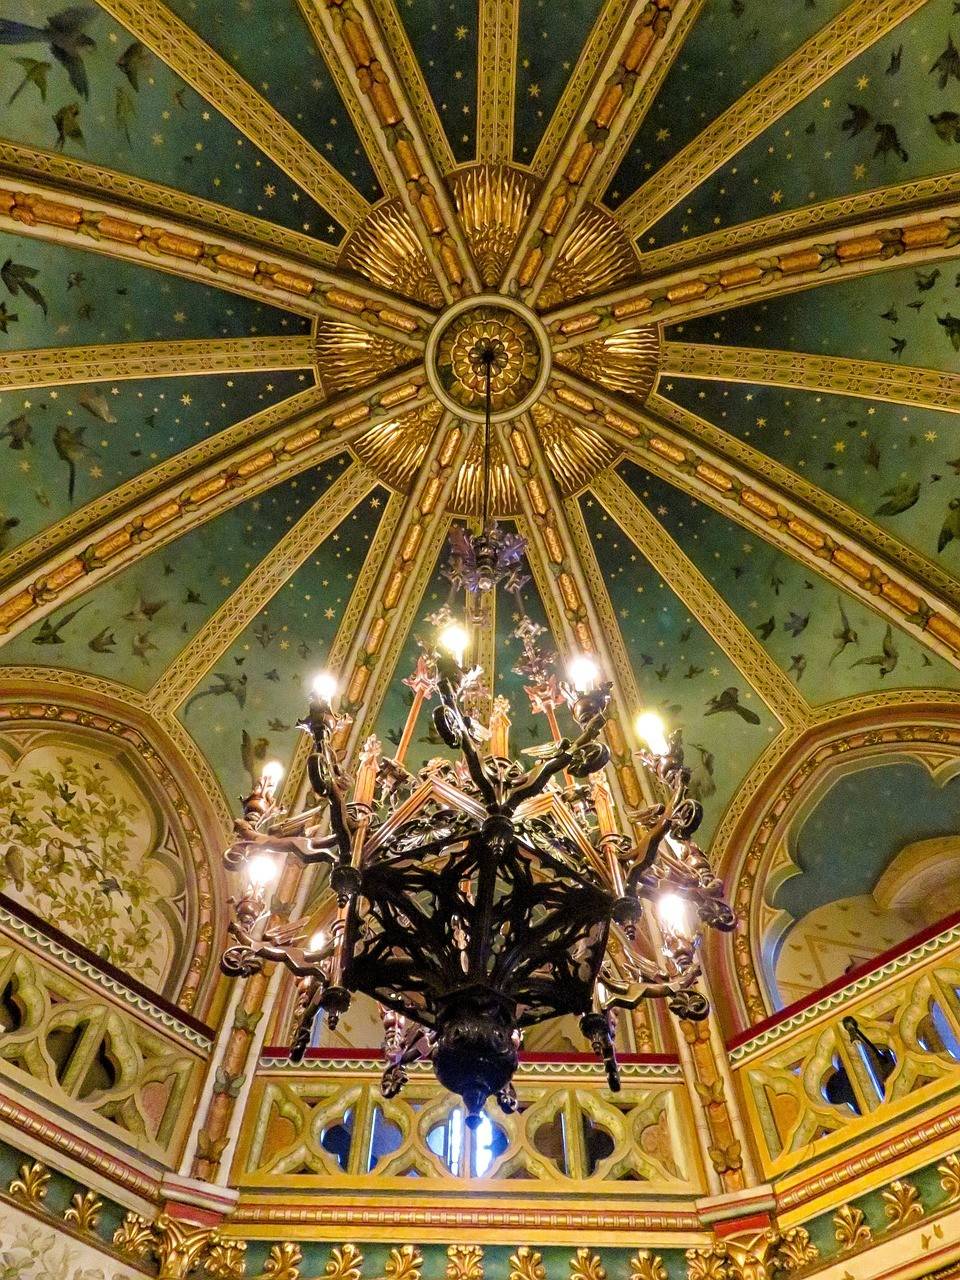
x: 248, y: 249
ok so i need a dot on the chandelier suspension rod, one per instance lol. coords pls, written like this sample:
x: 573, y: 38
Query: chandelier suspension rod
x: 488, y: 367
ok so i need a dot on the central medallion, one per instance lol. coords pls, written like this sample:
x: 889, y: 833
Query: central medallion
x: 456, y: 352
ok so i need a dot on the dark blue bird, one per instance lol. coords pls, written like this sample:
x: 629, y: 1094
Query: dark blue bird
x: 64, y: 36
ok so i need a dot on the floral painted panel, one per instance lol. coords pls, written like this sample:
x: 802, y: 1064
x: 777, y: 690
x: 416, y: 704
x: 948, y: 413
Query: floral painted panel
x: 30, y: 1250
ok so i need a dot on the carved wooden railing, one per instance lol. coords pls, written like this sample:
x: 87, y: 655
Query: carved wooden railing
x: 96, y: 1047
x: 325, y: 1125
x: 860, y: 1058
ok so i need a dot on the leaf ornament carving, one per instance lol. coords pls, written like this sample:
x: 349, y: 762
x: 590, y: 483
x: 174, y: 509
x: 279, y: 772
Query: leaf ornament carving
x: 527, y: 1264
x: 850, y: 1228
x: 345, y: 1263
x: 585, y: 1265
x: 464, y: 1262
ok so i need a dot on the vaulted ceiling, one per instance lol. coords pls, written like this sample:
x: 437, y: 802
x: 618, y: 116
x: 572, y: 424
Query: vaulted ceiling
x: 717, y: 239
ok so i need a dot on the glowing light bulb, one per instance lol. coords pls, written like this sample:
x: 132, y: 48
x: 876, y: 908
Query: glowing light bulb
x: 583, y: 672
x: 318, y: 941
x: 262, y: 870
x: 652, y: 731
x: 673, y: 914
x: 325, y: 686
x: 272, y: 774
x: 454, y: 639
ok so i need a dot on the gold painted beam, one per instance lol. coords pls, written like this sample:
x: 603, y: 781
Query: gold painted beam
x: 702, y: 599
x: 827, y: 255
x: 114, y: 362
x: 701, y: 460
x: 65, y: 174
x: 415, y: 86
x: 610, y: 19
x: 361, y: 48
x: 643, y: 98
x: 176, y: 44
x: 630, y: 61
x: 497, y: 80
x: 582, y: 605
x: 213, y: 476
x: 376, y: 645
x: 95, y: 224
x: 366, y: 128
x: 869, y: 379
x: 258, y: 588
x: 852, y: 31
x: 828, y: 218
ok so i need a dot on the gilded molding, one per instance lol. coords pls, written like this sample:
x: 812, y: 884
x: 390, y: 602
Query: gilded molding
x: 358, y: 41
x: 641, y: 100
x: 707, y: 464
x: 282, y: 1262
x: 215, y: 79
x: 627, y: 66
x: 949, y: 1171
x: 565, y: 569
x: 31, y: 1183
x: 464, y: 1262
x: 160, y: 505
x: 586, y: 1265
x: 860, y: 25
x: 345, y: 1263
x: 610, y: 20
x: 527, y: 1264
x: 706, y: 604
x: 496, y: 79
x: 66, y: 175
x: 83, y: 1212
x: 242, y: 605
x: 897, y: 200
x: 834, y: 375
x: 365, y: 127
x: 901, y: 1204
x: 645, y: 1265
x: 101, y: 226
x: 114, y: 362
x: 850, y: 1228
x: 419, y: 96
x: 787, y: 266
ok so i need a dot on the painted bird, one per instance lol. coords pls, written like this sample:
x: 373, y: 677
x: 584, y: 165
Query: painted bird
x: 900, y: 498
x: 133, y: 62
x: 19, y: 431
x: 97, y: 405
x: 67, y: 120
x: 798, y: 665
x: 141, y: 645
x: 843, y: 634
x: 144, y: 610
x: 729, y: 700
x: 766, y: 629
x: 6, y: 524
x: 70, y: 448
x: 951, y: 524
x: 226, y: 683
x: 796, y: 622
x: 102, y: 642
x: 63, y: 35
x: 888, y: 657
x: 49, y: 632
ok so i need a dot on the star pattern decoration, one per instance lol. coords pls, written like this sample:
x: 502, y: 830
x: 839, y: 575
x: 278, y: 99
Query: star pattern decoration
x: 275, y: 215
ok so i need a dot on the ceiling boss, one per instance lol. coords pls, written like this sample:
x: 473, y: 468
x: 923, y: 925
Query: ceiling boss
x: 477, y: 896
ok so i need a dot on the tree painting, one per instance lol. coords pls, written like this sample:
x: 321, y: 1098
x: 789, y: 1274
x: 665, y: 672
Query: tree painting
x: 67, y: 850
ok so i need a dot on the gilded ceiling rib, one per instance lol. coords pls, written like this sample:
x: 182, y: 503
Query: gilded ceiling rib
x: 419, y: 96
x: 852, y: 31
x: 610, y: 19
x: 562, y: 573
x: 630, y: 61
x: 258, y: 588
x: 98, y: 540
x: 825, y: 256
x: 347, y: 631
x: 642, y: 99
x: 496, y: 79
x: 359, y: 44
x: 869, y: 379
x: 366, y: 128
x: 376, y: 644
x: 689, y: 459
x: 65, y: 175
x: 702, y: 599
x: 102, y: 226
x: 60, y: 366
x: 213, y: 78
x: 828, y: 218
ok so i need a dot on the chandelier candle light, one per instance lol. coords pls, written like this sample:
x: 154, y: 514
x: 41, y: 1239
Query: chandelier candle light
x: 477, y: 896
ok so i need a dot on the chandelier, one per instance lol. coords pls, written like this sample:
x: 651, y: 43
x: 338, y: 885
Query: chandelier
x: 477, y: 895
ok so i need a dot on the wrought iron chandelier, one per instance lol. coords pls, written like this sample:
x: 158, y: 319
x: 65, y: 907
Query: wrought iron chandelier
x: 477, y: 896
